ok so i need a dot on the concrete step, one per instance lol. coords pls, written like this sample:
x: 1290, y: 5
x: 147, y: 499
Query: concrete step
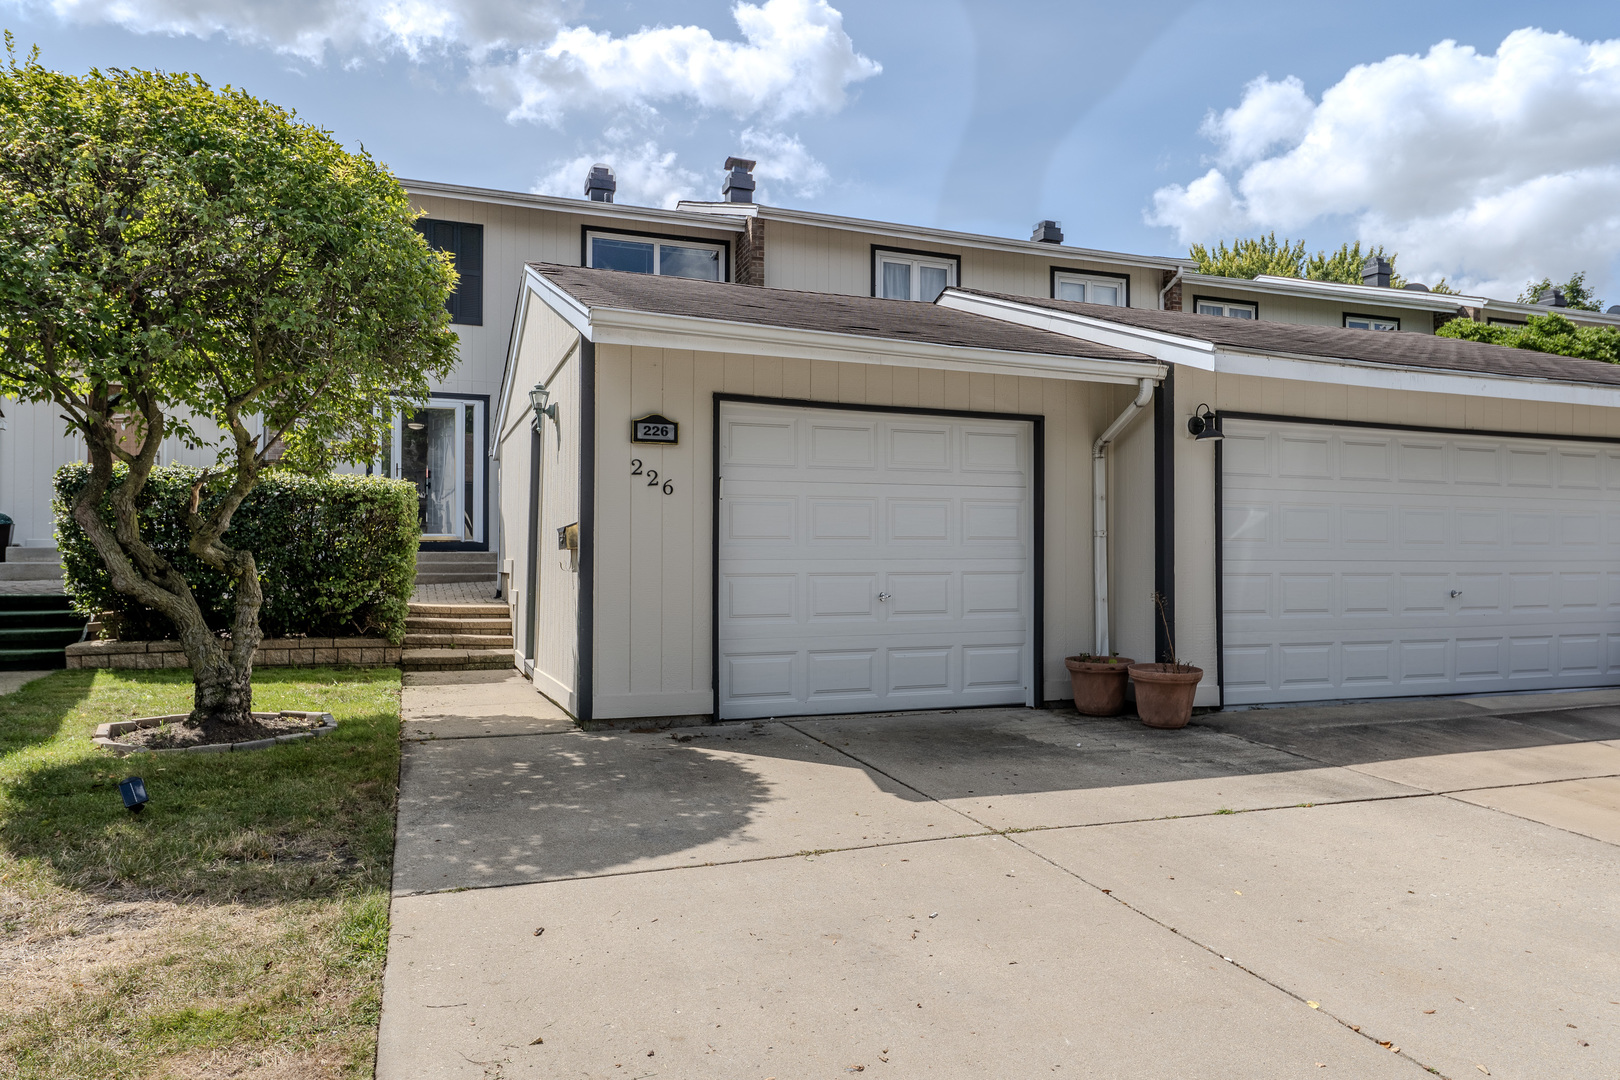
x: 456, y: 558
x: 49, y: 659
x: 457, y: 625
x: 451, y: 577
x: 30, y: 571
x: 466, y: 641
x: 33, y: 554
x: 454, y: 659
x: 476, y: 611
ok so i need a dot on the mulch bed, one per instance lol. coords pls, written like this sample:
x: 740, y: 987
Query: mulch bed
x: 179, y: 736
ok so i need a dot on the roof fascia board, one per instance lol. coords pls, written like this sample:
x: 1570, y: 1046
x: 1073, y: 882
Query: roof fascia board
x: 580, y: 207
x: 509, y: 367
x: 1168, y: 348
x: 560, y: 301
x: 879, y: 230
x: 1423, y: 381
x: 1334, y: 291
x: 618, y: 326
x: 1577, y: 315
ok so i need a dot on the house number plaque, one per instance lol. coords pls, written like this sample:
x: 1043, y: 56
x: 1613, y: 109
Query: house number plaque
x: 654, y: 429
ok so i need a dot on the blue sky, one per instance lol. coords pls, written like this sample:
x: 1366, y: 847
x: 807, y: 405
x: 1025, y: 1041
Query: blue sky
x: 1139, y: 127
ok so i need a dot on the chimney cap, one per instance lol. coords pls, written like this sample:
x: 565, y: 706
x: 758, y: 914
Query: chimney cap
x: 1376, y: 271
x: 1048, y: 232
x: 739, y: 183
x: 600, y: 183
x: 1553, y: 297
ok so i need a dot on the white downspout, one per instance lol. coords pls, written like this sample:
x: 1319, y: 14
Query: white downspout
x: 1099, y: 514
x: 1172, y: 283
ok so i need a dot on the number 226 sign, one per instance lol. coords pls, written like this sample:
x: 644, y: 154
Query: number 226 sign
x: 654, y: 429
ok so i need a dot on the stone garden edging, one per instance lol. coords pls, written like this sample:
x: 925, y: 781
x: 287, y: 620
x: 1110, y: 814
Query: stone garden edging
x: 272, y: 652
x: 106, y: 735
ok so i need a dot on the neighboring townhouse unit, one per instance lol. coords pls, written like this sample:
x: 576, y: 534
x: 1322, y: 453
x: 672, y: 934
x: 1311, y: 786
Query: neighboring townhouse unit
x: 737, y: 502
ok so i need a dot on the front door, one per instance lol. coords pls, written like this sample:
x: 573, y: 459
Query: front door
x: 439, y: 449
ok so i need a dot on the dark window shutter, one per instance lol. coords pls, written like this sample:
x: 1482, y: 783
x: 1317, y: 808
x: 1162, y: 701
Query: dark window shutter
x: 465, y: 243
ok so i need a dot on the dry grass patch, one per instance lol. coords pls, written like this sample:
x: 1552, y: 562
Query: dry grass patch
x: 237, y: 928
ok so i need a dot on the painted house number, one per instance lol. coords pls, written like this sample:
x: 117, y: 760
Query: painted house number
x: 652, y: 477
x: 655, y: 429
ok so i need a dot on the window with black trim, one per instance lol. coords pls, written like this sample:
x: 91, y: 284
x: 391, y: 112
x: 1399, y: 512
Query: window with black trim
x: 655, y: 255
x: 1370, y: 322
x: 1090, y: 288
x: 465, y: 243
x: 908, y: 275
x: 1230, y: 309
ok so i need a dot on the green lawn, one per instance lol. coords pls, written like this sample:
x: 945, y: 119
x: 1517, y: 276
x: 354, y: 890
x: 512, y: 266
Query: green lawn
x: 236, y: 927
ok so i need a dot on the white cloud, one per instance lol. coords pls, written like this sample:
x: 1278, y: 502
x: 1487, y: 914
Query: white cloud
x: 1488, y: 168
x: 795, y: 58
x: 782, y: 159
x: 647, y: 175
x: 312, y: 28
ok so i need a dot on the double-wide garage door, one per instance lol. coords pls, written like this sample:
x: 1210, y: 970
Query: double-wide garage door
x: 873, y: 561
x: 1369, y: 563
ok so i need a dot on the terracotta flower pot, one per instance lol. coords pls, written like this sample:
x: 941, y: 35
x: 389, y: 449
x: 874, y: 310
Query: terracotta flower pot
x: 1164, y: 696
x: 1099, y: 685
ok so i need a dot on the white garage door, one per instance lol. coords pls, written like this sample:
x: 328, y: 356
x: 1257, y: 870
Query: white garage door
x: 873, y: 561
x: 1375, y: 563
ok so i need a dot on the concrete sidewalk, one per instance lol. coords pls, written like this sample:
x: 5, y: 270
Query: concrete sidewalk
x: 1353, y: 890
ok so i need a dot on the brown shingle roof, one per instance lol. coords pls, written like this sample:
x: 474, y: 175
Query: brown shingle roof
x: 1397, y: 349
x: 862, y: 316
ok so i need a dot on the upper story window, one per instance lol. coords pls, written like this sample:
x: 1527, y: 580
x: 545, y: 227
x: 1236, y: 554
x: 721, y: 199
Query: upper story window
x: 912, y: 275
x: 656, y: 255
x: 1090, y: 288
x: 465, y: 243
x: 1370, y: 322
x: 1230, y: 309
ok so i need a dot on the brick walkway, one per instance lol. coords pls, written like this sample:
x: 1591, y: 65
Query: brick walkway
x: 457, y: 592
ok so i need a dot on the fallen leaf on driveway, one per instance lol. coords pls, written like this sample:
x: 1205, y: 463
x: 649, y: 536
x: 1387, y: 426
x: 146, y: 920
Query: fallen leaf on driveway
x: 537, y: 1041
x: 1428, y: 1012
x: 1313, y: 1004
x: 1383, y: 1043
x: 1483, y: 1069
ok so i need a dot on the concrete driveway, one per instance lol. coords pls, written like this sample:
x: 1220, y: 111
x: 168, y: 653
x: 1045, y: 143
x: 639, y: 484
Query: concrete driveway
x: 1402, y: 889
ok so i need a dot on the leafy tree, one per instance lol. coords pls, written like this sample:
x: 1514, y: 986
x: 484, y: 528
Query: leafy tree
x: 1542, y: 333
x: 1577, y: 294
x: 180, y: 260
x: 1249, y: 257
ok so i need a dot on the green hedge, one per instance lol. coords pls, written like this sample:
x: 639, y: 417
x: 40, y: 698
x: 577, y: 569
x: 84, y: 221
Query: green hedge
x: 336, y: 553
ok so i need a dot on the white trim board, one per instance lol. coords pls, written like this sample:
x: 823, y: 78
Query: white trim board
x: 1416, y: 380
x: 1169, y: 348
x: 618, y: 326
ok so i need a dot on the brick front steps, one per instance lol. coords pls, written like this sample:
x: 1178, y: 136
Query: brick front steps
x: 273, y: 652
x: 450, y: 637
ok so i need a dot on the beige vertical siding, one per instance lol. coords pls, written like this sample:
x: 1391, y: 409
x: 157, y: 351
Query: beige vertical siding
x: 549, y: 354
x: 817, y: 259
x: 1196, y: 611
x: 654, y: 551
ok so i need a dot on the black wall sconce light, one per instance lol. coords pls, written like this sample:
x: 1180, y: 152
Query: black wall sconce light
x: 1204, y: 424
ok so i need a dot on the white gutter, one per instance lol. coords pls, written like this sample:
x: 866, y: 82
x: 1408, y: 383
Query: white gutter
x: 1099, y: 512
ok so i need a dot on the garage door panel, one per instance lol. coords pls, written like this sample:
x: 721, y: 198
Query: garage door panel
x: 1416, y: 565
x: 886, y: 566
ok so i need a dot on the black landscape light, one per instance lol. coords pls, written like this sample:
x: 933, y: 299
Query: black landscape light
x: 1204, y: 424
x: 133, y: 789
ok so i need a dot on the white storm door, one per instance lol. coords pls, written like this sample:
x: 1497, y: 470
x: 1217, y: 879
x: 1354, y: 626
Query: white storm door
x: 440, y: 449
x: 873, y: 561
x: 1361, y: 562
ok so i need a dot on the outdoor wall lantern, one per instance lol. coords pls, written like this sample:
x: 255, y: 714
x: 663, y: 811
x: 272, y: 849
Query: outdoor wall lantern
x: 133, y: 789
x: 2, y: 419
x: 538, y: 398
x: 1204, y: 424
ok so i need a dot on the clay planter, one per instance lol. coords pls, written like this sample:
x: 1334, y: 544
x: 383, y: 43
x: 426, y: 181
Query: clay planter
x: 1164, y: 696
x: 1099, y: 686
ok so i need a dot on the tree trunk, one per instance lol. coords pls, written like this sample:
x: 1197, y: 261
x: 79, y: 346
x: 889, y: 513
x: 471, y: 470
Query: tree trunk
x: 222, y: 699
